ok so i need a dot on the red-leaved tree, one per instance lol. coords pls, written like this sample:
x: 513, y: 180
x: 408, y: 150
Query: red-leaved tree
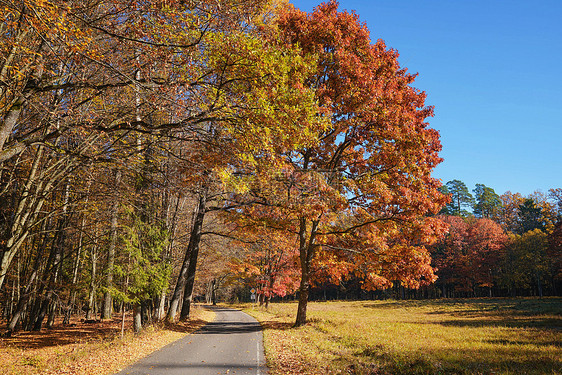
x: 360, y: 194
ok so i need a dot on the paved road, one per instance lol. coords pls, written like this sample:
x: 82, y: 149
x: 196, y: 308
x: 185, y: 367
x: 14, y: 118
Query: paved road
x: 231, y: 344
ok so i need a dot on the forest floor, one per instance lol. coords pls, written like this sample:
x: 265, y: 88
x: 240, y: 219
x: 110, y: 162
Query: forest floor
x: 89, y: 348
x: 480, y: 336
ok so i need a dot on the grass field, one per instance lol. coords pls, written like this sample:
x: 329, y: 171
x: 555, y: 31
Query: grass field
x: 485, y: 336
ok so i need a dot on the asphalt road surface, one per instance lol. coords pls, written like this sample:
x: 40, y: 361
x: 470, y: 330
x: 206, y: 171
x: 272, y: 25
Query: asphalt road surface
x: 231, y: 344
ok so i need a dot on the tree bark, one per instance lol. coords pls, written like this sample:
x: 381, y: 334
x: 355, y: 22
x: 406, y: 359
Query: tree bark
x: 92, y: 291
x: 22, y: 303
x: 137, y: 318
x: 179, y: 290
x: 306, y: 251
x: 193, y: 249
x: 108, y: 300
x: 214, y: 292
x: 161, y: 307
x: 18, y: 233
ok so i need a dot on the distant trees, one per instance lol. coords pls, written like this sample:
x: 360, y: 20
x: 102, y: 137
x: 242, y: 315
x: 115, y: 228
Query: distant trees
x: 466, y: 259
x: 554, y: 253
x: 509, y: 246
x: 460, y: 198
x: 486, y: 202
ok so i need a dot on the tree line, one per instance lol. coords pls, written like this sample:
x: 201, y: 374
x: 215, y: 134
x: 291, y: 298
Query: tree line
x: 500, y: 245
x: 495, y: 246
x: 143, y: 141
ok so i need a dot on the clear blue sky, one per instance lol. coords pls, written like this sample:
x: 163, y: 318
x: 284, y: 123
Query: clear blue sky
x: 493, y: 71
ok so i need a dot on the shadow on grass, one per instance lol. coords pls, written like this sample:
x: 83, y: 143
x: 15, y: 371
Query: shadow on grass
x: 528, y: 305
x: 456, y: 361
x: 493, y: 321
x: 525, y: 342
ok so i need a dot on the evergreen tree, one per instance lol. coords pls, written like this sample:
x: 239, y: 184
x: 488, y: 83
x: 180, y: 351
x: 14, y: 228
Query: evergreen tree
x: 486, y: 201
x: 530, y: 217
x: 460, y: 198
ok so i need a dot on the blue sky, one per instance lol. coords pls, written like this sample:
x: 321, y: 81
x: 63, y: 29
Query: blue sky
x: 492, y: 69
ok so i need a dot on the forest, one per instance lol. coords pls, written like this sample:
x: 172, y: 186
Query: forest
x: 156, y: 152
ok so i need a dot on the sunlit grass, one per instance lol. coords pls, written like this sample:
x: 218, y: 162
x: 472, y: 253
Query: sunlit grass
x: 501, y: 336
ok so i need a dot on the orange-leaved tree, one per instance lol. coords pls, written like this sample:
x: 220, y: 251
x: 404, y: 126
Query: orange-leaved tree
x: 269, y: 261
x: 362, y: 193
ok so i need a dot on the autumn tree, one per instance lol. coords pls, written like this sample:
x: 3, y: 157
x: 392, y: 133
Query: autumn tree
x: 526, y: 265
x: 507, y: 215
x: 556, y: 197
x: 486, y: 241
x: 366, y: 177
x: 447, y: 253
x: 269, y: 263
x: 548, y: 206
x: 555, y: 255
x: 467, y: 258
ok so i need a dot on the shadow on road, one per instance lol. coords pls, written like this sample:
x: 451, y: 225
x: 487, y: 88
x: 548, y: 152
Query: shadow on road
x: 229, y: 328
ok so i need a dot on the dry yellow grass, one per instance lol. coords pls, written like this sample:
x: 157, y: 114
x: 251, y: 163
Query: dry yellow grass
x: 68, y: 353
x: 501, y: 336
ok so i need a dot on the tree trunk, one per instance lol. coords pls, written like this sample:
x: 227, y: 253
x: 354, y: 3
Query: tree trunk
x: 214, y: 292
x: 182, y: 277
x: 107, y: 298
x: 52, y: 312
x: 306, y: 251
x: 137, y: 318
x: 303, y: 299
x: 193, y: 249
x: 122, y: 320
x: 18, y: 231
x: 161, y: 307
x: 22, y: 303
x: 180, y: 287
x: 92, y: 292
x: 171, y: 224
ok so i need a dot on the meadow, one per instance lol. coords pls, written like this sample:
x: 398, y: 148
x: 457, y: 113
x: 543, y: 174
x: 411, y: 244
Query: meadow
x: 484, y: 336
